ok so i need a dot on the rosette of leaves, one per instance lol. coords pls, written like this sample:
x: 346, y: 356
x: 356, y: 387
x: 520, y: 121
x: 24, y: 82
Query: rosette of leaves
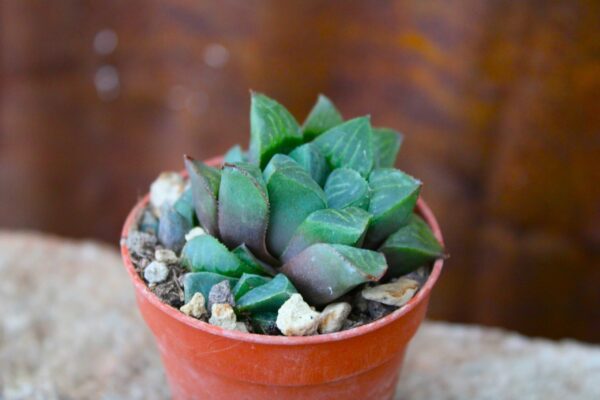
x: 316, y: 208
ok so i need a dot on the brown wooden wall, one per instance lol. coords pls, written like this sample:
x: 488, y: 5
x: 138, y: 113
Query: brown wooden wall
x: 498, y: 99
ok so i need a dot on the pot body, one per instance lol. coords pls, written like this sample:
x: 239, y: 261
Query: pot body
x: 206, y: 362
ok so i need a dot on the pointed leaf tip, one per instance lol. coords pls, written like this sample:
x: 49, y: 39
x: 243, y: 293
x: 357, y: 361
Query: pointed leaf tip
x: 204, y: 183
x: 322, y: 117
x: 349, y: 145
x: 410, y: 247
x: 272, y: 129
x: 386, y: 145
x: 394, y: 195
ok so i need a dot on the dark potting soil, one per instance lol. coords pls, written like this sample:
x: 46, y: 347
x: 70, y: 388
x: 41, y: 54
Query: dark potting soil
x: 143, y: 243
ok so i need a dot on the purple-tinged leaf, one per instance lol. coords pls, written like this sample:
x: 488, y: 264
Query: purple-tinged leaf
x: 204, y: 181
x: 244, y: 208
x: 324, y: 272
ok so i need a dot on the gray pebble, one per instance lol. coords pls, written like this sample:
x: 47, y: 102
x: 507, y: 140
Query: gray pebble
x: 221, y: 294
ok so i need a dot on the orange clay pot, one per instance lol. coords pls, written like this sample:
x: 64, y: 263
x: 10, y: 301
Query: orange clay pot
x: 206, y: 362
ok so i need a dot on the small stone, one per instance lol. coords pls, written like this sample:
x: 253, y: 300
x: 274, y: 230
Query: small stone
x: 296, y: 318
x: 221, y: 294
x: 195, y: 307
x: 166, y: 190
x: 333, y: 317
x: 156, y: 272
x: 197, y: 231
x: 223, y: 315
x: 165, y: 256
x: 378, y: 310
x: 395, y: 293
x: 240, y: 326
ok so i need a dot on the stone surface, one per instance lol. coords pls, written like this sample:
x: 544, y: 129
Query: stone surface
x: 166, y: 256
x: 197, y: 231
x: 195, y: 307
x: 223, y: 315
x: 296, y: 318
x: 395, y: 293
x: 156, y: 272
x: 165, y: 190
x: 333, y: 317
x: 221, y: 294
x: 92, y: 344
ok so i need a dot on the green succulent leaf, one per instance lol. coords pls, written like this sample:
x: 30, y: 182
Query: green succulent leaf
x: 293, y: 195
x: 253, y: 264
x: 204, y: 182
x: 268, y: 297
x: 248, y: 282
x: 272, y: 129
x: 265, y: 323
x: 386, y: 145
x: 235, y: 154
x: 347, y: 226
x: 202, y: 282
x: 349, y: 145
x: 206, y: 253
x: 172, y: 228
x: 309, y: 157
x: 244, y: 208
x: 393, y: 198
x: 346, y: 188
x: 324, y: 272
x: 185, y: 207
x: 323, y: 116
x: 410, y: 247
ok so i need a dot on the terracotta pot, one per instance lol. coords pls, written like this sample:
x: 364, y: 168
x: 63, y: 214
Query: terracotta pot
x: 206, y: 362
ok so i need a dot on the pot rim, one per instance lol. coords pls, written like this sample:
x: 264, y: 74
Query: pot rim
x: 174, y: 313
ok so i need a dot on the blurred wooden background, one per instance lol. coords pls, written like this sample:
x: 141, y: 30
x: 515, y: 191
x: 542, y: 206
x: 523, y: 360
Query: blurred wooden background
x: 498, y: 99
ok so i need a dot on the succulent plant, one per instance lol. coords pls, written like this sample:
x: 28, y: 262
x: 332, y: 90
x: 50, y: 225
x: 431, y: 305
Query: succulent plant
x: 316, y: 208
